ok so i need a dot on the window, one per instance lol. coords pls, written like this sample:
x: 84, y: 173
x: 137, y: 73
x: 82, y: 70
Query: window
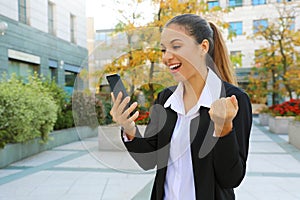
x: 52, y: 74
x: 258, y: 2
x: 70, y: 78
x: 260, y: 25
x: 22, y: 69
x: 235, y: 3
x: 236, y: 27
x: 212, y: 4
x: 22, y: 11
x: 104, y: 37
x: 51, y: 22
x: 100, y: 36
x: 280, y: 1
x: 73, y: 28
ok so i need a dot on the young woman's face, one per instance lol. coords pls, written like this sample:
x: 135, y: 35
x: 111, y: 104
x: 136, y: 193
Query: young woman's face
x: 181, y: 53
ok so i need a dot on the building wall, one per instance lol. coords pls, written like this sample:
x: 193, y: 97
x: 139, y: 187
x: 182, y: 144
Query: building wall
x: 38, y: 18
x: 32, y: 40
x: 247, y: 14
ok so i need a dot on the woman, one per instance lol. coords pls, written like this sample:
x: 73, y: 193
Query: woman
x: 198, y: 135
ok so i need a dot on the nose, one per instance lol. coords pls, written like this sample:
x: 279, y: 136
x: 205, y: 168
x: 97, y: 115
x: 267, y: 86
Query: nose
x: 167, y: 55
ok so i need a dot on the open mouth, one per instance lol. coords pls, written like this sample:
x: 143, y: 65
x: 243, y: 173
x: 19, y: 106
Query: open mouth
x: 175, y: 66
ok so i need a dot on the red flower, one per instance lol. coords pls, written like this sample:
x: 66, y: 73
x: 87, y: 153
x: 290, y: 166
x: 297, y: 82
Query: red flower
x: 288, y: 108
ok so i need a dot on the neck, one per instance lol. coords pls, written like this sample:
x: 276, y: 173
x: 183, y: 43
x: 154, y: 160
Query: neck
x: 192, y: 90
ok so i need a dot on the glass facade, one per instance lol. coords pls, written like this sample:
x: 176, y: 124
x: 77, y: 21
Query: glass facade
x: 260, y: 24
x: 235, y: 3
x: 212, y: 4
x: 258, y: 2
x: 22, y: 69
x: 236, y: 27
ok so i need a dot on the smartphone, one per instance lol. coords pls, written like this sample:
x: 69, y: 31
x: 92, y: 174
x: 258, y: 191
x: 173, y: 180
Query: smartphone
x: 116, y: 86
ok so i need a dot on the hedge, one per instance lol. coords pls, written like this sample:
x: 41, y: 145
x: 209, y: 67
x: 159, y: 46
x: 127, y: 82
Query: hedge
x: 27, y: 110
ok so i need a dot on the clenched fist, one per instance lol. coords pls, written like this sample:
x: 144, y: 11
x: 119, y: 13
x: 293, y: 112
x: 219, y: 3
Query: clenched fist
x: 222, y: 112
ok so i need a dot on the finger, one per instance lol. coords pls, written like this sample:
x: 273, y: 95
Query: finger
x: 112, y: 97
x: 127, y: 112
x: 118, y: 99
x: 234, y: 101
x: 123, y: 104
x: 131, y: 108
x: 134, y: 116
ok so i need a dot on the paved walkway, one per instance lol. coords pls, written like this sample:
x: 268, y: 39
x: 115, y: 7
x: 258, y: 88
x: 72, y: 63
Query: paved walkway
x: 80, y: 171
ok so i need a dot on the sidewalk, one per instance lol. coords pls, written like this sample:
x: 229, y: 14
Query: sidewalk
x: 79, y: 171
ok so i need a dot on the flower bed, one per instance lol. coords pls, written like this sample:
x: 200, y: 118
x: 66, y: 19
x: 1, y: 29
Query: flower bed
x: 288, y: 108
x: 282, y: 114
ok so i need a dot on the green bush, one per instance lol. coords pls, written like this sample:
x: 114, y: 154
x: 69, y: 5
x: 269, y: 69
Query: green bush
x: 27, y: 110
x: 64, y: 111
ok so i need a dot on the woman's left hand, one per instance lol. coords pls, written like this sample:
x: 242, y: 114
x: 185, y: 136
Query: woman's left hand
x: 222, y: 112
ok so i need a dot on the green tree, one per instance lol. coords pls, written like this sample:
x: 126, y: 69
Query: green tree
x: 143, y: 47
x: 279, y: 58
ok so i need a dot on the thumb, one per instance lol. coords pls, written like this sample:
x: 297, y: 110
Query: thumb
x: 234, y: 101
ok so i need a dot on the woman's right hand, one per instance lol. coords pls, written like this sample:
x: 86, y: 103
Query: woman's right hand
x: 122, y: 117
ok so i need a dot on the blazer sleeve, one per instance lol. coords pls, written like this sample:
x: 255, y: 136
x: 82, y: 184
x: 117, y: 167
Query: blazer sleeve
x: 231, y: 151
x: 144, y: 148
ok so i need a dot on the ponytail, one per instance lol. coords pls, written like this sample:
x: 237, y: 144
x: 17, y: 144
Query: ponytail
x: 221, y: 58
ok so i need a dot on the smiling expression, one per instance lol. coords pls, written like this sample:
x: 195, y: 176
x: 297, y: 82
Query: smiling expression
x: 182, y: 54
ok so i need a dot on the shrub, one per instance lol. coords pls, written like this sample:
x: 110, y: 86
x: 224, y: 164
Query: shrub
x: 27, y: 110
x: 62, y: 99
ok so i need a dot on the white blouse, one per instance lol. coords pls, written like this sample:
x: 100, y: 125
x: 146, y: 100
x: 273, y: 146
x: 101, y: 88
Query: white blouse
x: 179, y: 182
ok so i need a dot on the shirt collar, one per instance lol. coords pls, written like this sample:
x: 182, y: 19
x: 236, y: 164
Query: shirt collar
x: 210, y: 93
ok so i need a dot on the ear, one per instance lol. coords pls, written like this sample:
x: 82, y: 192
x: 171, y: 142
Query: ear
x: 204, y: 46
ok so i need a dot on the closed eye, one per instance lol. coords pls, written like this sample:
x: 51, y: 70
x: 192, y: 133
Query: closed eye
x: 175, y: 47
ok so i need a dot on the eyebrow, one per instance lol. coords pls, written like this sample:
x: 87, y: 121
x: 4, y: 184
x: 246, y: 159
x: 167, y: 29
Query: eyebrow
x: 172, y: 41
x: 175, y: 40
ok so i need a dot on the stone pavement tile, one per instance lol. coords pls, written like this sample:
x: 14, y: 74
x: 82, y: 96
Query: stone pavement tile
x: 120, y: 160
x: 80, y: 145
x: 84, y: 161
x: 68, y: 184
x: 269, y: 188
x: 7, y: 172
x: 128, y: 187
x: 42, y: 158
x: 284, y: 163
x: 265, y: 147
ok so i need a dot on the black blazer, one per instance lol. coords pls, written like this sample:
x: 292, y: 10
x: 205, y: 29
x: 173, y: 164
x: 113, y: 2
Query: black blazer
x: 216, y: 171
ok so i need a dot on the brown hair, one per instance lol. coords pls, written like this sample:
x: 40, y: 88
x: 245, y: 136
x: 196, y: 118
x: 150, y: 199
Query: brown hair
x: 199, y: 28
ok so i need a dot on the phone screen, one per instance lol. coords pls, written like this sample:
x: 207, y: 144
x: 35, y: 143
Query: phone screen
x: 116, y: 85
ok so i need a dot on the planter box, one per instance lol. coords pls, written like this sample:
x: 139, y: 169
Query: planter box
x: 109, y: 138
x: 294, y: 133
x: 263, y: 119
x: 15, y: 152
x: 279, y: 125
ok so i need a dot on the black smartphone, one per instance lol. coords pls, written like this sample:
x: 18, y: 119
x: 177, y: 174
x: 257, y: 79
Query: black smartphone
x: 116, y: 85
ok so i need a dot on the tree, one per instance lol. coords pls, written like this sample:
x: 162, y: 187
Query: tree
x: 142, y: 55
x: 279, y: 59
